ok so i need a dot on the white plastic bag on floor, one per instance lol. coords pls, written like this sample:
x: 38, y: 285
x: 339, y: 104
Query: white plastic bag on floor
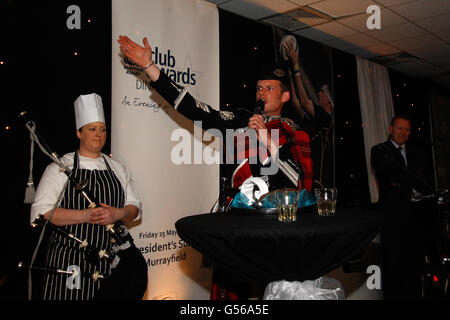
x: 320, y: 289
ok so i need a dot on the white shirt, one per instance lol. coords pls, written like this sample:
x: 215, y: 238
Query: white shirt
x: 53, y: 181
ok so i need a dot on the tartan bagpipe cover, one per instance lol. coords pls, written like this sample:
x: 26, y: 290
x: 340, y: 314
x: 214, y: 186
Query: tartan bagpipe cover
x: 300, y: 150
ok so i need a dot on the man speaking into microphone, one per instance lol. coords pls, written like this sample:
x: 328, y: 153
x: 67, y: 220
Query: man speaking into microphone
x: 272, y: 92
x: 263, y: 143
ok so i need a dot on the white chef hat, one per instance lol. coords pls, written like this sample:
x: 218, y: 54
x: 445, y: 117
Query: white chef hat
x: 88, y: 108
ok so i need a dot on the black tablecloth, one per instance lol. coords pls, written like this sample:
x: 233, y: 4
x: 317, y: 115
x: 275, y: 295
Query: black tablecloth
x: 260, y: 248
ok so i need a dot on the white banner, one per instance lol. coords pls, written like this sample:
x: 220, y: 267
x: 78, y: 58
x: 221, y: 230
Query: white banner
x: 184, y: 36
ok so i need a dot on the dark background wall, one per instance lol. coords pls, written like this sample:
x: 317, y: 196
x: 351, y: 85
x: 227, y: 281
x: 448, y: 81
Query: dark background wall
x: 41, y: 73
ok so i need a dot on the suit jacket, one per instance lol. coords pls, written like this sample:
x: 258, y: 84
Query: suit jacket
x: 395, y: 179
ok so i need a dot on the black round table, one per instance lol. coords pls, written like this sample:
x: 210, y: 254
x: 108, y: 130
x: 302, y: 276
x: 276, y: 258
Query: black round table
x: 257, y: 247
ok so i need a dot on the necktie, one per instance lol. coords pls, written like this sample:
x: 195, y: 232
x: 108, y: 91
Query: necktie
x: 401, y: 151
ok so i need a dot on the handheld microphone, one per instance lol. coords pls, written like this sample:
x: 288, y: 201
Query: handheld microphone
x: 259, y: 107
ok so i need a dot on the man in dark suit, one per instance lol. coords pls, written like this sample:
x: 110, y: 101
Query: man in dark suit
x: 402, y: 172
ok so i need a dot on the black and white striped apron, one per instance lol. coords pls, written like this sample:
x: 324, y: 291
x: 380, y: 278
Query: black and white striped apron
x: 64, y: 252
